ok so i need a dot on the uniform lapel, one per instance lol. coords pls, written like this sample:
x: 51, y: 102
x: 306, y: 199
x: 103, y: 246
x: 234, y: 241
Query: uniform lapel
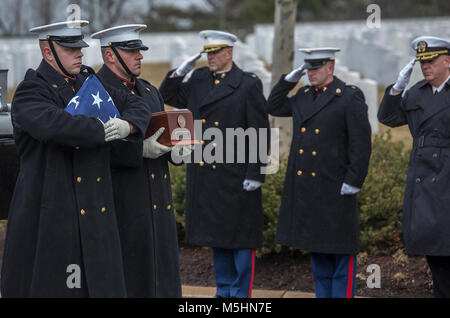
x: 142, y: 90
x: 336, y: 88
x: 109, y: 78
x: 438, y: 103
x: 57, y: 81
x: 146, y: 93
x: 225, y: 88
x: 306, y: 103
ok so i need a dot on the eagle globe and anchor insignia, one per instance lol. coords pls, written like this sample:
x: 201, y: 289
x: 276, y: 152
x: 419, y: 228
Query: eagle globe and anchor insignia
x: 422, y: 47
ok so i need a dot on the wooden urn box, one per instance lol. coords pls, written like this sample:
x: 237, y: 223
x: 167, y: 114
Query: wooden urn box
x: 179, y: 126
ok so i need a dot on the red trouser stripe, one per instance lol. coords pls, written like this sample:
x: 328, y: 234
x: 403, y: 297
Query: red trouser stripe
x: 350, y: 277
x: 253, y: 274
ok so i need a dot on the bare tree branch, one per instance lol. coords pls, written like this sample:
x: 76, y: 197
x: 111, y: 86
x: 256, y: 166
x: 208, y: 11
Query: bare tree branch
x: 227, y: 9
x: 43, y: 11
x: 112, y: 12
x: 12, y: 20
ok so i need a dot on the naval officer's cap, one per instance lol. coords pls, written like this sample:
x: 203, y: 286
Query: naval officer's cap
x: 318, y: 57
x: 67, y: 33
x: 216, y: 40
x: 429, y: 48
x: 125, y: 37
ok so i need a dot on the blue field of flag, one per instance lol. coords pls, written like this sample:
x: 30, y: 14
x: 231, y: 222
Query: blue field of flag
x: 93, y: 100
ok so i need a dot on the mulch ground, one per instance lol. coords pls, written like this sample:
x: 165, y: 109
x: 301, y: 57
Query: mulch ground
x: 402, y: 276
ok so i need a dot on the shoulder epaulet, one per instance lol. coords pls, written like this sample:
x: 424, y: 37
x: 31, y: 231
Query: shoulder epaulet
x: 202, y: 71
x: 354, y: 88
x: 34, y: 78
x: 145, y: 82
x: 419, y: 84
x: 305, y: 89
x: 30, y: 74
x: 148, y: 86
x: 86, y: 70
x: 253, y: 75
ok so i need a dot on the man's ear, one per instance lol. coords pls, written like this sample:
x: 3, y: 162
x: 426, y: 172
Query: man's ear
x: 48, y: 54
x: 448, y: 60
x: 230, y: 52
x: 331, y: 67
x: 109, y: 56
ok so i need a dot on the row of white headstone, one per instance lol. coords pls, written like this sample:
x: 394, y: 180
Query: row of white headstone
x: 377, y: 53
x: 22, y: 53
x: 249, y: 61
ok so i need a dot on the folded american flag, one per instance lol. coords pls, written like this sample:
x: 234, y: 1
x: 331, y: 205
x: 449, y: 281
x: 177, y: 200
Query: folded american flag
x: 93, y: 100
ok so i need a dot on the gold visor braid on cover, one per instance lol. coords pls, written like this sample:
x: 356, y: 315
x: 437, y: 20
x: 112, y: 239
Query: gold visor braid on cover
x: 214, y: 47
x: 429, y: 55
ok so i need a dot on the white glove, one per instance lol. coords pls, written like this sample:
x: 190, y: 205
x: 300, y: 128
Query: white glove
x: 251, y: 185
x: 404, y: 76
x: 153, y: 149
x: 116, y: 128
x: 348, y: 189
x: 296, y: 75
x: 187, y: 65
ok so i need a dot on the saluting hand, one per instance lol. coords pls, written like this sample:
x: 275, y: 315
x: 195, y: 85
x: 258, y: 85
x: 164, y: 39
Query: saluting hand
x: 152, y: 148
x: 187, y: 65
x: 116, y: 128
x: 404, y: 76
x: 297, y: 74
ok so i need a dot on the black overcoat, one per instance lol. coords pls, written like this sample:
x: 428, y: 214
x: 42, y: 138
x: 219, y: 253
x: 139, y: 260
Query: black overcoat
x: 62, y: 213
x: 426, y: 217
x: 144, y: 208
x: 219, y: 212
x: 331, y: 144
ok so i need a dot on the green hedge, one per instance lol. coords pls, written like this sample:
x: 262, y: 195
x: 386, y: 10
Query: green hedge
x: 380, y: 200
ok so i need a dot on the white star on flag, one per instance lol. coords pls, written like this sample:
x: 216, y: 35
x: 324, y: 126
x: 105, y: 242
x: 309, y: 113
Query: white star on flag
x: 74, y: 101
x: 97, y: 99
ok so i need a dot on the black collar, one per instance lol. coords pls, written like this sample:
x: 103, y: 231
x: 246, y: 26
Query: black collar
x: 424, y: 82
x: 131, y: 85
x: 54, y: 78
x: 113, y: 80
x: 232, y: 77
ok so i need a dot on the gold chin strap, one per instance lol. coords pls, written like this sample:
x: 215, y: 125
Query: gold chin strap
x: 214, y: 47
x: 430, y: 55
